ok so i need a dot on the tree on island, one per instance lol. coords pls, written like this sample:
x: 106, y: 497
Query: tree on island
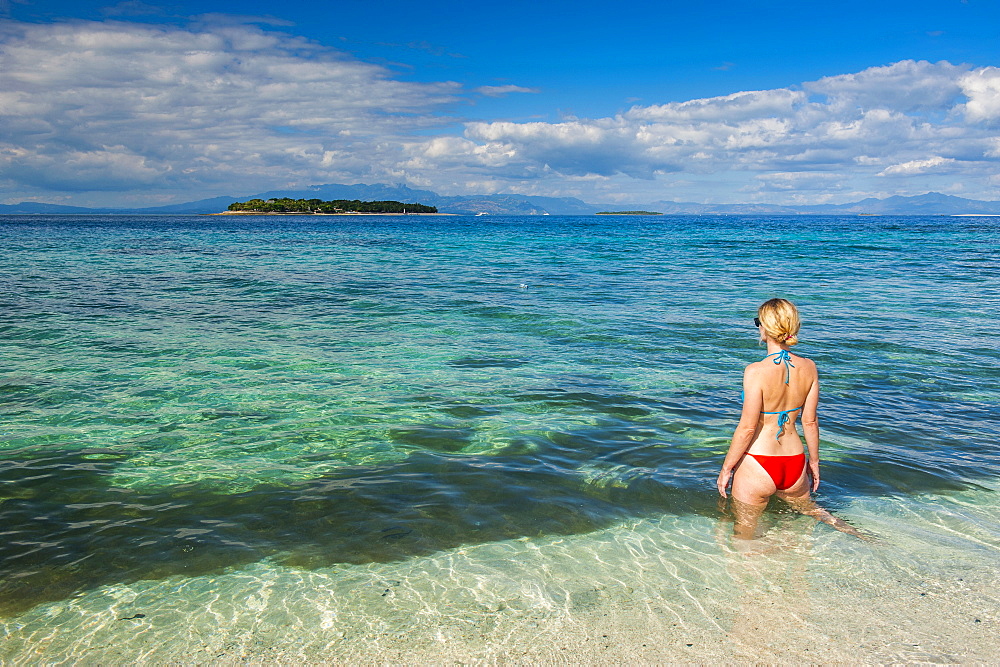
x: 312, y: 206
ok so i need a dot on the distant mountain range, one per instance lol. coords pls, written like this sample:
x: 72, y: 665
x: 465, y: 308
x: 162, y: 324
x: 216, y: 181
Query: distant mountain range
x: 932, y: 203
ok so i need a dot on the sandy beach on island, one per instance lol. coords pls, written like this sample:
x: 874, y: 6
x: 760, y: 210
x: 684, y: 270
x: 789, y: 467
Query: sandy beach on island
x: 322, y: 214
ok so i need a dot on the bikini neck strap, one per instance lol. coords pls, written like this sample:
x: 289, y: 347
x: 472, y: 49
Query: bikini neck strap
x: 783, y: 357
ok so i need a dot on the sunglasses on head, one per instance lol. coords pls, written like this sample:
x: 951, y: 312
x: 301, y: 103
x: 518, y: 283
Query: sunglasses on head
x: 756, y: 322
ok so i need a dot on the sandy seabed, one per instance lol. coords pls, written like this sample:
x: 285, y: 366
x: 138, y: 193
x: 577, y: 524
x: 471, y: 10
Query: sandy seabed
x: 673, y: 589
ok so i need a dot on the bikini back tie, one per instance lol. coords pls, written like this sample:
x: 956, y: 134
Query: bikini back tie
x: 782, y: 419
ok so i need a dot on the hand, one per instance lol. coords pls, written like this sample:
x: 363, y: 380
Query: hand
x: 723, y: 482
x: 814, y: 473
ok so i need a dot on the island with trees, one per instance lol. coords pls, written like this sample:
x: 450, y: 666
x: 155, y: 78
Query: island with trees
x: 629, y: 213
x: 319, y: 207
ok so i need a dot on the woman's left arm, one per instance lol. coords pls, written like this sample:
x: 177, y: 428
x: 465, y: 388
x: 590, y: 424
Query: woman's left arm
x: 753, y: 400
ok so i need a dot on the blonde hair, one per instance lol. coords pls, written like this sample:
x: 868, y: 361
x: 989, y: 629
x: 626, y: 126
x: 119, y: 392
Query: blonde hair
x: 779, y: 318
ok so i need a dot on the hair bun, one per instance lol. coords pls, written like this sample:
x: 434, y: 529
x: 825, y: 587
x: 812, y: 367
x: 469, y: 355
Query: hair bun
x: 780, y: 320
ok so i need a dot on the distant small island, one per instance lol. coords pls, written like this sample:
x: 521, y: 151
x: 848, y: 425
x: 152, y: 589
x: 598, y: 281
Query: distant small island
x: 320, y: 207
x: 629, y: 213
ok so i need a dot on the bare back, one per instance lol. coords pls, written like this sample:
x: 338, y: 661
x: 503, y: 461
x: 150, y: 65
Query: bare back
x: 777, y: 390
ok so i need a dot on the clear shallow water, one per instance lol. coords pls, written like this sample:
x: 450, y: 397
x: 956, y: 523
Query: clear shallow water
x: 195, y: 399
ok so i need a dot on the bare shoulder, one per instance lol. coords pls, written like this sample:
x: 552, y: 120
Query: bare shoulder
x: 804, y: 363
x: 753, y: 370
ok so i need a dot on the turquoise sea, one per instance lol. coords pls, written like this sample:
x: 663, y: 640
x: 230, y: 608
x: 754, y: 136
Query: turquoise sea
x: 427, y: 437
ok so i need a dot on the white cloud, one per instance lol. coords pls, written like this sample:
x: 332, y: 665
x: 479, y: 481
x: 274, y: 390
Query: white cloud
x: 112, y: 106
x: 982, y: 87
x: 798, y: 182
x: 917, y: 166
x: 500, y: 91
x: 601, y: 147
x: 851, y: 125
x: 903, y: 87
x: 729, y: 108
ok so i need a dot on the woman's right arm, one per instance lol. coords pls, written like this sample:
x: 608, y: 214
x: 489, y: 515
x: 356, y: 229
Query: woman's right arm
x: 810, y: 427
x: 745, y: 430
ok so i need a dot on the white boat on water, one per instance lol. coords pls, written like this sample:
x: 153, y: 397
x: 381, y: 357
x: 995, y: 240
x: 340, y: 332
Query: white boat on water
x: 481, y: 213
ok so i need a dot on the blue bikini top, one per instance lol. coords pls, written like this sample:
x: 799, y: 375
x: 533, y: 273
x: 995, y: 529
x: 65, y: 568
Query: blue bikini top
x: 782, y: 357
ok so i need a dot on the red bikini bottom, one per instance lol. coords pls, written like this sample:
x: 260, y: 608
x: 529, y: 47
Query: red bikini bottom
x: 784, y: 470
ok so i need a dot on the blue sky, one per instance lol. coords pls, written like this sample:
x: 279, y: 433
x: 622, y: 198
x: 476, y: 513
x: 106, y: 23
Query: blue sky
x: 137, y: 103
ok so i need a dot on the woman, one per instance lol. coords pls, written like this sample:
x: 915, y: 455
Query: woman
x: 766, y: 457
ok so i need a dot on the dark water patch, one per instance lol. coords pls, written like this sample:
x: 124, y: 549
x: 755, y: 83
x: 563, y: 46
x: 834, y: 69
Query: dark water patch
x: 47, y: 334
x: 585, y: 443
x: 355, y: 286
x: 187, y: 252
x: 463, y: 303
x: 99, y: 305
x: 433, y: 438
x: 885, y: 251
x: 505, y: 313
x: 157, y: 252
x: 66, y: 529
x: 463, y: 411
x: 15, y: 388
x: 872, y: 474
x: 616, y: 405
x: 649, y: 453
x: 242, y: 285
